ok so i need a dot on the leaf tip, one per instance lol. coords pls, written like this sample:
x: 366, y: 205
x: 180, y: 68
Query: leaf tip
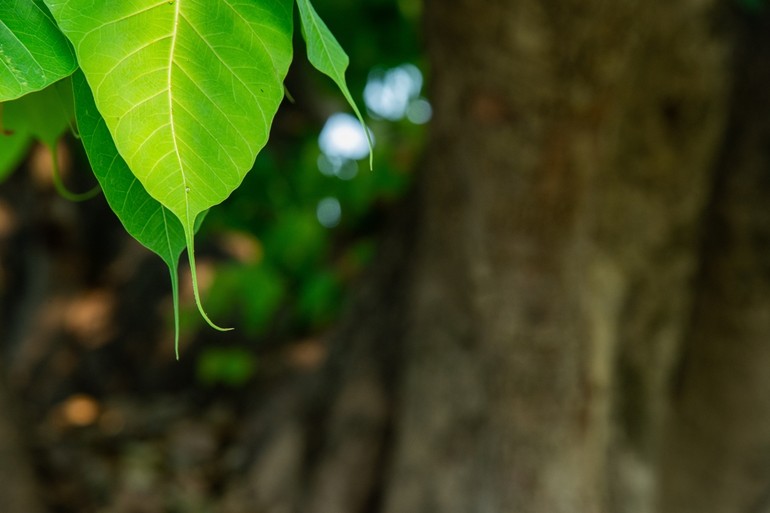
x: 189, y: 235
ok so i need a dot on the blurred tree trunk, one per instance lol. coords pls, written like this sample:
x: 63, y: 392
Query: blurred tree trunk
x: 18, y: 492
x: 547, y: 294
x: 571, y: 158
x: 717, y: 446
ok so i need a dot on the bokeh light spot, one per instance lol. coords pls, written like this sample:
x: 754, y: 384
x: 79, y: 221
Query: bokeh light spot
x: 329, y: 212
x: 343, y: 137
x: 419, y: 111
x: 80, y: 410
x: 389, y: 94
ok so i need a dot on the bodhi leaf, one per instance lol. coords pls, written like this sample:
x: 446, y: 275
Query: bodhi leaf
x: 150, y: 223
x: 328, y: 57
x: 33, y: 52
x: 188, y: 90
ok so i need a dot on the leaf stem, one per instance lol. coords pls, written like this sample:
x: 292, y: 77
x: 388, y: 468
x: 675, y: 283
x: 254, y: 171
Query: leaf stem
x: 59, y: 184
x: 173, y: 270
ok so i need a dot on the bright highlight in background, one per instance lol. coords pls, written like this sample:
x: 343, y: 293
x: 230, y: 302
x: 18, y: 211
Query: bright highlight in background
x: 391, y: 94
x: 343, y: 137
x: 342, y: 141
x: 394, y: 94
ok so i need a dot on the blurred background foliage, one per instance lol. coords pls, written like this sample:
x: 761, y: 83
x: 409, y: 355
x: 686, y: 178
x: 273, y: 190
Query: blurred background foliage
x: 287, y: 245
x: 279, y: 256
x: 753, y: 5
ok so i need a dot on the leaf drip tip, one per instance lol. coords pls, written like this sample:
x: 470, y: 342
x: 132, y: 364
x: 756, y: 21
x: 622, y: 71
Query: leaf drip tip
x: 189, y: 235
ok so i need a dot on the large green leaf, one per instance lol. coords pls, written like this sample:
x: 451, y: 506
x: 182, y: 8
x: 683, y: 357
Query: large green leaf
x: 328, y: 57
x: 144, y: 218
x: 33, y: 52
x: 187, y: 88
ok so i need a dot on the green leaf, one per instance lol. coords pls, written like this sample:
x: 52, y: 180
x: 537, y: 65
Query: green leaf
x: 144, y: 218
x: 188, y: 90
x: 44, y: 115
x: 13, y: 147
x: 328, y: 57
x: 33, y: 52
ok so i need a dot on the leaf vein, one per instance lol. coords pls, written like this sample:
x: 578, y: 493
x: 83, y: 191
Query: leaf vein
x: 117, y: 20
x: 229, y: 68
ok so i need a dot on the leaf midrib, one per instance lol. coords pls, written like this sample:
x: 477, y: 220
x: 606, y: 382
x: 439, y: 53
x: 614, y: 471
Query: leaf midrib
x: 327, y: 51
x: 174, y: 33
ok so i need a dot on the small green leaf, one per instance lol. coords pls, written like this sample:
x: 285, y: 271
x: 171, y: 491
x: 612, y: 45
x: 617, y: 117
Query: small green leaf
x: 144, y: 218
x: 13, y: 147
x: 188, y: 90
x: 328, y: 57
x: 44, y: 115
x: 33, y: 52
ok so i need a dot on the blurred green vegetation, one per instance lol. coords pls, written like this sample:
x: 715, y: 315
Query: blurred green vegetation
x: 753, y: 6
x: 279, y: 274
x: 284, y: 249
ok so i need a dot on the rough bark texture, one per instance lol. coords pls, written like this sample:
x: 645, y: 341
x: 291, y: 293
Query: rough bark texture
x: 717, y: 448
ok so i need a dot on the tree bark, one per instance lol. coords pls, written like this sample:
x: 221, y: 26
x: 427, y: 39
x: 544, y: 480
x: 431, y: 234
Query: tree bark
x: 550, y: 283
x: 18, y: 493
x: 568, y: 166
x: 718, y: 438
